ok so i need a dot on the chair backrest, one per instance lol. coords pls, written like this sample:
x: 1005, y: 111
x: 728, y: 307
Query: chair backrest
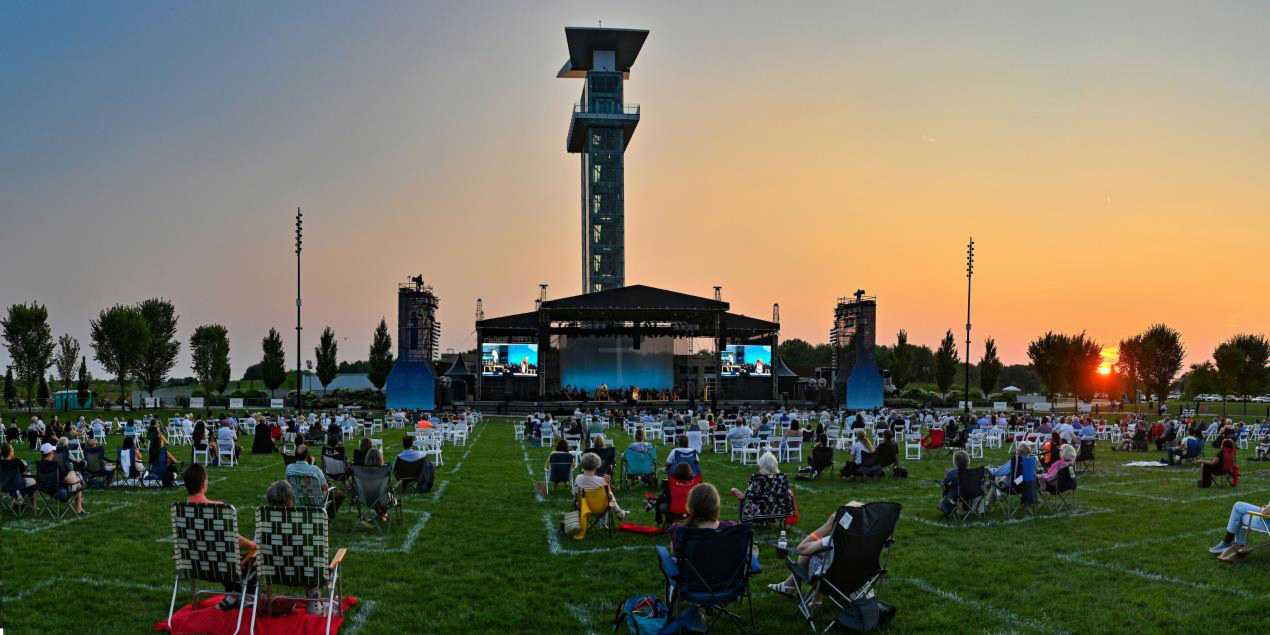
x: 694, y: 439
x: 767, y: 497
x: 561, y: 466
x: 640, y: 461
x: 608, y: 457
x: 714, y: 561
x: 307, y: 489
x: 126, y: 463
x: 821, y: 457
x: 205, y: 542
x: 292, y: 546
x: 857, y: 549
x: 679, y: 493
x: 682, y: 455
x: 970, y: 483
x: 596, y: 499
x: 403, y: 470
x: 158, y: 462
x: 46, y: 477
x: 334, y: 467
x: 1066, y: 479
x: 371, y: 482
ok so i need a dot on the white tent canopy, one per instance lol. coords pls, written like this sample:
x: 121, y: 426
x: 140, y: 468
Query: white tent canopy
x: 1011, y: 389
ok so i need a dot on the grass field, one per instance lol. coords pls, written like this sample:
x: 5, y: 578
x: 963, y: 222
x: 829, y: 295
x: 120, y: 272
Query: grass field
x: 480, y: 555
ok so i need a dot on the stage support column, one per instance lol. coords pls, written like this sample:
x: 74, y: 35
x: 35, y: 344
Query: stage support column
x: 776, y: 386
x: 544, y: 343
x: 718, y: 362
x: 480, y: 361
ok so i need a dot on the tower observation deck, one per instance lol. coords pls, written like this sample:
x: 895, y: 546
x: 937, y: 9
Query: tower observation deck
x: 600, y: 128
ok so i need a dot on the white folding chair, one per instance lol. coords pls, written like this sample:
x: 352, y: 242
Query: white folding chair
x: 205, y: 453
x: 912, y: 447
x: 225, y: 455
x: 793, y: 446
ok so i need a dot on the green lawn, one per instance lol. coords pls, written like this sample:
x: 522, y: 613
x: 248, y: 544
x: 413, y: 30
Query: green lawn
x: 479, y: 554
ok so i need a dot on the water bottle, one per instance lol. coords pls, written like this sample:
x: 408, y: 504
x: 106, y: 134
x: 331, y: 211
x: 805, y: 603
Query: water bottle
x: 782, y: 543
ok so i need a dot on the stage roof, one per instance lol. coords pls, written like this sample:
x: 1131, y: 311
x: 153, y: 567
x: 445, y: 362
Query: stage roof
x: 637, y: 296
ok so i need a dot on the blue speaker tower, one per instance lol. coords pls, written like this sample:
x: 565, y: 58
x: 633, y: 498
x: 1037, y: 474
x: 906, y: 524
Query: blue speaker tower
x: 412, y: 384
x: 858, y: 381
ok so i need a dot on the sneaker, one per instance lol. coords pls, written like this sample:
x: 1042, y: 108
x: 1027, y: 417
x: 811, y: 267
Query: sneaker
x: 1234, y: 554
x: 782, y: 588
x: 1219, y: 547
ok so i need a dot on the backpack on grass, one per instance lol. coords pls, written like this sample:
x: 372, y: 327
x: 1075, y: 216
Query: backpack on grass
x: 642, y: 615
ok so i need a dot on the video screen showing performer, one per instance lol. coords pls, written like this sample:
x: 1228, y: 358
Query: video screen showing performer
x: 520, y: 360
x: 746, y: 360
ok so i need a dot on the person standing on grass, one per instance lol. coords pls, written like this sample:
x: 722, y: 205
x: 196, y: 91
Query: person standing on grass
x: 1234, y: 546
x: 195, y: 477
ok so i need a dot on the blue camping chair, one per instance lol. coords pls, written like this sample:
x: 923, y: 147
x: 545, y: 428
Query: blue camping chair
x: 711, y: 570
x: 639, y: 463
x: 158, y: 467
x: 690, y: 457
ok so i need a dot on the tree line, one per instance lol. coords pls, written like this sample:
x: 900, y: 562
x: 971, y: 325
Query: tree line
x: 138, y: 343
x: 1148, y: 363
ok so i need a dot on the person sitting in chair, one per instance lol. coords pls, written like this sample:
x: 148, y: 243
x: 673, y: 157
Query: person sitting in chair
x: 375, y: 458
x: 815, y: 554
x: 561, y: 455
x: 589, y: 480
x: 195, y: 477
x: 304, y: 466
x: 681, y: 480
x: 767, y: 492
x: 682, y: 454
x: 952, y: 482
x: 1190, y: 448
x: 821, y: 459
x: 1234, y: 546
x: 15, y: 468
x: 1018, y: 475
x: 703, y: 513
x: 854, y: 465
x: 887, y: 453
x: 1049, y: 480
x: 359, y: 453
x: 1050, y: 449
x: 1263, y: 446
x: 1223, y: 463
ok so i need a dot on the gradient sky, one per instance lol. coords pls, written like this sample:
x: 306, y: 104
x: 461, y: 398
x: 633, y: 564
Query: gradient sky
x: 1112, y: 163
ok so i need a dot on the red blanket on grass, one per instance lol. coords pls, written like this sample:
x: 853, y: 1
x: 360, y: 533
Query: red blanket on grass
x: 204, y: 618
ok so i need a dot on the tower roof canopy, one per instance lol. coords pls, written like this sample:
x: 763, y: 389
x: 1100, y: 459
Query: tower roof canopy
x: 585, y: 40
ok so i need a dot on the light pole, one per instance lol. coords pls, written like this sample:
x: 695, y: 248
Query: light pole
x: 970, y: 270
x: 299, y: 377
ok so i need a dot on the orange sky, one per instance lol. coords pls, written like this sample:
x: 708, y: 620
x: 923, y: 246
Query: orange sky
x: 1111, y: 164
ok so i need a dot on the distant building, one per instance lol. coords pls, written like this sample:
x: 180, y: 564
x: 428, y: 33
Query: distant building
x: 600, y: 129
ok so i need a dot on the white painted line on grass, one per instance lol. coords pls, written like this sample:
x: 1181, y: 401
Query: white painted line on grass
x: 1012, y: 619
x: 37, y: 525
x: 555, y: 548
x: 582, y: 613
x: 1079, y: 557
x: 440, y: 491
x: 1152, y: 576
x: 370, y: 545
x: 1009, y: 521
x: 58, y: 580
x: 530, y: 471
x: 361, y: 615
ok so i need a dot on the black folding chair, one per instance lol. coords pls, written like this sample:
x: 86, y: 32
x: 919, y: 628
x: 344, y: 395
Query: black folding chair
x: 50, y: 490
x: 968, y: 498
x: 711, y: 570
x: 856, y: 569
x: 1085, y: 456
x: 373, y: 490
x: 1063, y: 495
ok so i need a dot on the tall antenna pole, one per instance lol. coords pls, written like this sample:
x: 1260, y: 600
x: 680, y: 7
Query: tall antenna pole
x: 970, y: 270
x: 299, y: 377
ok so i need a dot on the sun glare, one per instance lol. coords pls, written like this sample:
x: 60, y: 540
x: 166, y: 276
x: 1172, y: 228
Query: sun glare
x: 1110, y: 355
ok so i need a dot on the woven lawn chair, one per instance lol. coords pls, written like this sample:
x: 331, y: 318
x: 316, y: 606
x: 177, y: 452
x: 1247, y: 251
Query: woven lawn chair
x: 205, y: 548
x: 309, y: 491
x: 293, y: 545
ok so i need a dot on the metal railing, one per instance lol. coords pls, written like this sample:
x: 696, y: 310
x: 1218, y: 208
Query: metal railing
x: 625, y: 109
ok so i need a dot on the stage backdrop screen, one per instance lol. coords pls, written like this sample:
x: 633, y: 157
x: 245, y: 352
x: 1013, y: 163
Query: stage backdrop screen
x: 520, y: 360
x: 589, y: 362
x: 751, y: 360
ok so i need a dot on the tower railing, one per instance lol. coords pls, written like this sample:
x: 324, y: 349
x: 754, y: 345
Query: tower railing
x: 626, y: 109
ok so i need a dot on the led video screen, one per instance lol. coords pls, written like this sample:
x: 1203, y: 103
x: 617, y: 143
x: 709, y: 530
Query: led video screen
x: 520, y: 360
x: 588, y: 363
x: 746, y: 360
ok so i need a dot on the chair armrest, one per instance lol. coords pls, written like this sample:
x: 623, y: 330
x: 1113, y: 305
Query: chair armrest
x: 668, y: 566
x: 1259, y: 515
x: 800, y: 572
x: 339, y: 557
